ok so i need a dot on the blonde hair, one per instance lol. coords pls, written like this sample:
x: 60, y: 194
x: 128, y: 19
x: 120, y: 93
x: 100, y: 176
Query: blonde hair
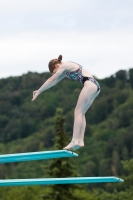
x: 53, y: 62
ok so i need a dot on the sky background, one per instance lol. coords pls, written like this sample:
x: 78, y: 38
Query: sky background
x: 98, y: 34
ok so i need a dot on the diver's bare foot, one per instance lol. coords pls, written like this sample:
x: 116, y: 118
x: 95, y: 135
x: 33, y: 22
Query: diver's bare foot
x: 78, y: 146
x: 71, y: 146
x: 81, y: 144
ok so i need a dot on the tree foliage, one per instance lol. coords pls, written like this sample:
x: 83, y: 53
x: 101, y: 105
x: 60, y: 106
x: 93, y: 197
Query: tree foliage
x: 29, y: 126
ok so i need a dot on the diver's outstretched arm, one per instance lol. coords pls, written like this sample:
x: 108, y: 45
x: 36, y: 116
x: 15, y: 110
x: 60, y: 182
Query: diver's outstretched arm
x: 52, y: 81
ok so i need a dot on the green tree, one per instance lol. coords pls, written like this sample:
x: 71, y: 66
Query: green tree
x: 20, y: 193
x: 119, y: 191
x: 115, y: 163
x: 128, y: 165
x: 62, y: 167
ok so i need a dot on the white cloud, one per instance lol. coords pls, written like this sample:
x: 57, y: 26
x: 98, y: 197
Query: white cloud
x: 101, y: 53
x: 9, y: 6
x: 96, y: 34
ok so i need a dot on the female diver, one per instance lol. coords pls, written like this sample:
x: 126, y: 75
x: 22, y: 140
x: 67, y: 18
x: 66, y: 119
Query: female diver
x: 89, y: 92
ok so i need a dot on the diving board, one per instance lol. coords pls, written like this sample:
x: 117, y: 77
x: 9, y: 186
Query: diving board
x: 49, y: 181
x: 41, y: 155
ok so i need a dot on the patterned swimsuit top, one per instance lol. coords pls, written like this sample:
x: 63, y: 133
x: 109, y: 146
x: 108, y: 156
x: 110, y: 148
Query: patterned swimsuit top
x: 76, y: 75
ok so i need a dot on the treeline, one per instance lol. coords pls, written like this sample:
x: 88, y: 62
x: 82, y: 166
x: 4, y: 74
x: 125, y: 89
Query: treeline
x: 28, y: 126
x: 16, y: 106
x: 65, y: 167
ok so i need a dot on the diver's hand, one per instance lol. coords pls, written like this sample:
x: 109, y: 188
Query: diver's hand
x: 35, y: 94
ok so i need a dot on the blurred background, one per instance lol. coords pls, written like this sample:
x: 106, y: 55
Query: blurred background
x: 99, y: 36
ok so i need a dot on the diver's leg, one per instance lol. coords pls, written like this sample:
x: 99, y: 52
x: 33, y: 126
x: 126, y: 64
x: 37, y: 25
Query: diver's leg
x: 81, y: 135
x: 84, y: 101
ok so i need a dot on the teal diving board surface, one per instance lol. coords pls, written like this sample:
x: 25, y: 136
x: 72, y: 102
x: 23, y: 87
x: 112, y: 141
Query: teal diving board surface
x: 41, y: 155
x: 49, y: 181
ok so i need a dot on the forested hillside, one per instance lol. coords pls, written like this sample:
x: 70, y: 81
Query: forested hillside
x: 29, y: 126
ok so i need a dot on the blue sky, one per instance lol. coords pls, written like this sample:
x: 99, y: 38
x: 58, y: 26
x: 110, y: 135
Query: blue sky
x: 98, y: 34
